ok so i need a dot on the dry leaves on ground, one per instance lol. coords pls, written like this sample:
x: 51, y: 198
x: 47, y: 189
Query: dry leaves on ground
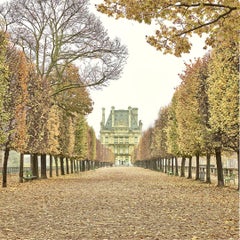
x: 121, y: 204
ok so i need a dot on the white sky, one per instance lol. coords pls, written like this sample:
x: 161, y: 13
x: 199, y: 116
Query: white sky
x: 148, y: 79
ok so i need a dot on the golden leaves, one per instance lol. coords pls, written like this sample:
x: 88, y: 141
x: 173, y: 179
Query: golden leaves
x: 119, y: 203
x: 178, y: 20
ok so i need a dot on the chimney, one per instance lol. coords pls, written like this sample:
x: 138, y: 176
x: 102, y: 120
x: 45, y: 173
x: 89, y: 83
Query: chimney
x: 103, y: 117
x: 112, y: 113
x: 129, y: 117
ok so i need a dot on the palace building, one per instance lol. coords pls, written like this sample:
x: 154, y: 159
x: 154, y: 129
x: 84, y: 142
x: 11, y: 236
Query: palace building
x: 121, y: 133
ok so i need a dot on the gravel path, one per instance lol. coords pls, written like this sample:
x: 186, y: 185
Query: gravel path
x: 121, y: 204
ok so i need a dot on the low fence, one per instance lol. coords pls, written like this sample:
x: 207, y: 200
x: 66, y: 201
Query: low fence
x: 165, y: 167
x: 88, y: 165
x: 14, y: 170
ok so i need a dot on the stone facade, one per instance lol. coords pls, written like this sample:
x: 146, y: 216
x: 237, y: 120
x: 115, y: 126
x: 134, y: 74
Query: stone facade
x: 121, y: 133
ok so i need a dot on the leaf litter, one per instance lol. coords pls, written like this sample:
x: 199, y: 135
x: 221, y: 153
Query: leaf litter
x: 119, y: 203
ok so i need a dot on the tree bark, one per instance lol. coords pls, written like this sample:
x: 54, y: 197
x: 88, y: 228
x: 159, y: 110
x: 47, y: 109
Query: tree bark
x: 4, y: 169
x: 197, y: 167
x: 218, y: 154
x: 238, y: 158
x: 34, y: 165
x: 67, y: 166
x: 172, y: 165
x: 71, y: 165
x: 56, y: 165
x: 168, y: 163
x: 21, y: 165
x: 62, y: 165
x: 76, y: 165
x: 50, y: 166
x: 165, y: 165
x: 176, y: 166
x: 83, y: 166
x: 208, y: 170
x: 183, y: 167
x: 190, y: 168
x: 43, y: 166
x: 161, y: 165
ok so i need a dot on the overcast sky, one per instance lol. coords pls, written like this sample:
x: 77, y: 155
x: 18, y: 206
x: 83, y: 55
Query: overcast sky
x: 148, y: 79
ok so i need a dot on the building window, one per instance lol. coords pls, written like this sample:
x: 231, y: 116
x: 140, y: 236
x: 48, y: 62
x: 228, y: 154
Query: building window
x: 121, y: 140
x: 106, y: 140
x: 136, y: 140
x: 115, y: 140
x: 127, y: 140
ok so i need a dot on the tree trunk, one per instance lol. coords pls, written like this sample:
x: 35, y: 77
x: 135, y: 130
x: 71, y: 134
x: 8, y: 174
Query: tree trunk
x: 161, y: 165
x: 165, y: 165
x: 219, y: 166
x: 62, y: 166
x: 34, y: 165
x: 43, y: 166
x: 56, y: 165
x: 197, y: 166
x: 67, y: 165
x: 50, y: 166
x: 4, y: 169
x: 168, y: 163
x: 83, y: 166
x: 176, y: 166
x: 71, y: 165
x: 190, y: 168
x: 208, y: 170
x: 238, y: 157
x: 172, y: 165
x: 21, y: 165
x: 76, y: 165
x: 183, y: 167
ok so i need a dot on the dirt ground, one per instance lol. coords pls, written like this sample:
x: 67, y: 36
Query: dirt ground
x: 122, y: 203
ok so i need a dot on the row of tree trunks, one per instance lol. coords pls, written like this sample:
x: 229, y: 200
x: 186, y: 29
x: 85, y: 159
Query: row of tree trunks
x: 171, y: 165
x: 70, y: 166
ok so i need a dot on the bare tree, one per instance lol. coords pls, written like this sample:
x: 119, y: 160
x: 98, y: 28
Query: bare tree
x: 54, y: 33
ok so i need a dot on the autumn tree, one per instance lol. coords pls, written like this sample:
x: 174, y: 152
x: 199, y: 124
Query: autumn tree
x: 37, y: 118
x: 179, y: 20
x: 223, y: 93
x: 145, y: 145
x: 159, y: 138
x: 192, y: 112
x: 91, y: 144
x: 4, y: 100
x: 172, y: 131
x: 15, y: 103
x: 53, y: 129
x: 54, y: 34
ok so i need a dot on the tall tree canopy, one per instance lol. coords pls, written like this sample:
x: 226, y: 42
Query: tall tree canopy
x: 223, y: 92
x: 54, y: 33
x: 4, y: 115
x: 178, y: 20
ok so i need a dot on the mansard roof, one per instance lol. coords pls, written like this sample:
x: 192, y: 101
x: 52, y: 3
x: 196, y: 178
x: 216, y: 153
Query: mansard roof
x: 122, y: 119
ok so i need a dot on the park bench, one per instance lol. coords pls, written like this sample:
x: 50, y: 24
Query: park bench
x: 228, y: 179
x: 29, y: 177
